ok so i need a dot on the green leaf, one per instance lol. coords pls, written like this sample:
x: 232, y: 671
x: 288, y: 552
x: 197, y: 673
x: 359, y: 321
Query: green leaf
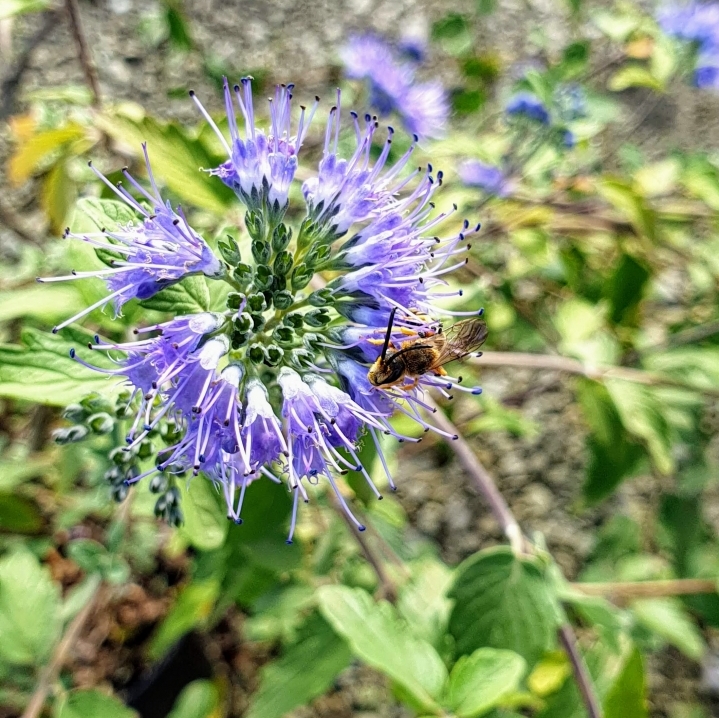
x: 34, y: 154
x: 634, y: 75
x: 625, y: 289
x: 379, y: 638
x: 9, y: 8
x: 42, y: 371
x: 643, y: 415
x: 92, y: 704
x: 698, y: 366
x: 192, y: 607
x: 199, y: 699
x: 611, y: 670
x: 109, y: 214
x: 29, y: 610
x: 19, y: 515
x: 615, y: 26
x: 189, y: 296
x: 626, y: 200
x: 701, y: 178
x: 452, y: 32
x: 423, y: 601
x: 58, y: 196
x: 627, y: 695
x: 48, y: 302
x: 479, y: 682
x: 205, y: 521
x: 668, y: 618
x: 177, y: 159
x: 305, y: 670
x: 492, y: 590
x: 612, y: 458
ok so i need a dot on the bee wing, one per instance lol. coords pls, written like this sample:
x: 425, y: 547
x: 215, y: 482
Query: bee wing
x: 461, y: 339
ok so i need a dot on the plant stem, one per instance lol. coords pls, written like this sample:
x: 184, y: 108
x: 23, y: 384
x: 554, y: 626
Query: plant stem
x: 483, y: 481
x: 499, y: 507
x: 83, y: 52
x: 581, y: 673
x: 387, y: 587
x: 574, y: 366
x: 648, y: 589
x: 51, y: 671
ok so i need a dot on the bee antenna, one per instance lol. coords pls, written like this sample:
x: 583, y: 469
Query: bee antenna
x: 388, y: 334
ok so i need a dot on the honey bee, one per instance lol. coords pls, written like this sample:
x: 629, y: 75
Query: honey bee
x: 419, y: 356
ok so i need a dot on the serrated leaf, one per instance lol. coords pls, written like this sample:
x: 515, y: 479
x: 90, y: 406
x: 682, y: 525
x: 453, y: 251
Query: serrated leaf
x: 177, y: 159
x: 492, y: 590
x: 42, y: 371
x: 480, y: 681
x: 29, y: 610
x: 189, y: 296
x: 205, y: 521
x: 668, y: 618
x: 109, y: 214
x: 92, y: 704
x: 379, y: 638
x: 305, y: 670
x: 192, y: 607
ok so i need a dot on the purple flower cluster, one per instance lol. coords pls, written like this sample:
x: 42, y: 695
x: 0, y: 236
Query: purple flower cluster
x: 390, y: 73
x: 697, y: 22
x: 525, y: 104
x: 276, y: 386
x: 487, y: 177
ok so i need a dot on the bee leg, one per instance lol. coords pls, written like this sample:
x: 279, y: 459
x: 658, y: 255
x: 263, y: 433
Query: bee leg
x: 380, y: 342
x: 439, y: 371
x: 409, y: 387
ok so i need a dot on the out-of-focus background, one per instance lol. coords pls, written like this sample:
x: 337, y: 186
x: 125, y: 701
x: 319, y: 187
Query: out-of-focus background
x: 604, y: 254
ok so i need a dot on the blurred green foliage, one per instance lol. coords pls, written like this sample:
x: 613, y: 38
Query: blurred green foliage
x: 601, y: 262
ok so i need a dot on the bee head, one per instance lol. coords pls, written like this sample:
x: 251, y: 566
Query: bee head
x: 384, y: 372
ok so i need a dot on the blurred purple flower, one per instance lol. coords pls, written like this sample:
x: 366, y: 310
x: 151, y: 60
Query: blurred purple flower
x: 487, y: 177
x: 528, y: 105
x: 422, y: 106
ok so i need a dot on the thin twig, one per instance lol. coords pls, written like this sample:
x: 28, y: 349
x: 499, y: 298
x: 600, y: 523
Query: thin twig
x: 11, y: 83
x: 387, y: 587
x: 648, y: 589
x: 83, y: 52
x: 482, y: 480
x: 581, y: 673
x: 573, y: 366
x: 51, y: 671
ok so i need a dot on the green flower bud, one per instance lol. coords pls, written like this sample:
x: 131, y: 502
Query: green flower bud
x: 234, y: 300
x: 120, y: 456
x: 274, y: 355
x: 317, y: 318
x: 119, y: 492
x: 301, y: 276
x: 283, y: 335
x: 74, y: 413
x: 94, y: 404
x: 261, y: 251
x: 283, y: 263
x: 229, y: 250
x: 254, y: 221
x: 146, y: 450
x: 256, y: 353
x: 243, y: 323
x: 281, y: 237
x: 263, y: 277
x: 158, y: 484
x: 71, y: 435
x: 101, y: 423
x: 238, y: 340
x: 258, y: 321
x: 321, y: 298
x: 283, y: 299
x: 294, y: 320
x: 243, y: 274
x: 256, y: 302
